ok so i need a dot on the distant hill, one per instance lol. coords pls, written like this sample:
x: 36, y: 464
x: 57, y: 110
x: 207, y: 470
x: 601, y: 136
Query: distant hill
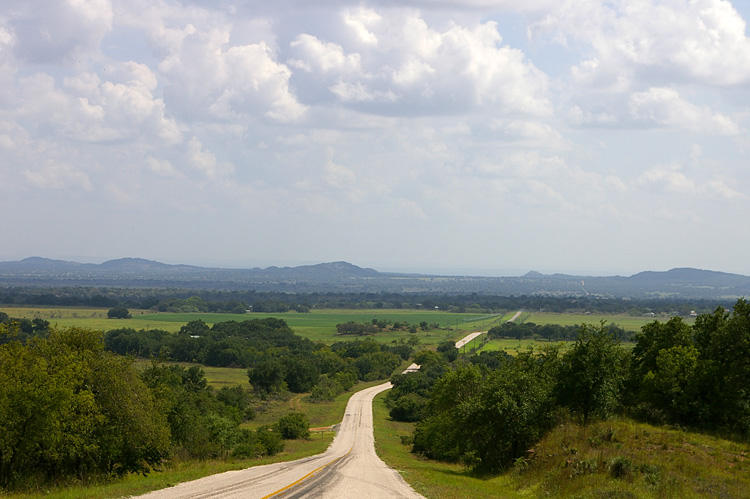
x: 346, y: 277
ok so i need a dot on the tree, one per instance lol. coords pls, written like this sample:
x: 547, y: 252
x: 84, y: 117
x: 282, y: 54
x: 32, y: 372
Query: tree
x: 294, y: 425
x: 118, y: 313
x: 487, y: 418
x: 69, y: 408
x: 592, y: 373
x: 267, y: 376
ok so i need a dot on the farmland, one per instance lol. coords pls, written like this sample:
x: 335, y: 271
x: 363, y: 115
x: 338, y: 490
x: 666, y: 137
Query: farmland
x: 319, y: 325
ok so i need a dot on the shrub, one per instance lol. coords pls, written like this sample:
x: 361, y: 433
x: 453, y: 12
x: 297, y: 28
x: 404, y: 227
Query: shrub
x: 294, y: 425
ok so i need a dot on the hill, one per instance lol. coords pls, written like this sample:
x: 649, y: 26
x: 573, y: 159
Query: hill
x: 346, y: 277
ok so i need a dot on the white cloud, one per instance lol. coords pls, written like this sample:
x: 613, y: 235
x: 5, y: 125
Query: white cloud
x: 162, y: 167
x: 665, y: 107
x: 209, y: 78
x: 670, y: 178
x: 688, y: 40
x: 339, y: 176
x: 55, y: 31
x: 359, y: 22
x: 206, y: 161
x: 720, y: 188
x: 59, y: 176
x: 416, y: 68
x: 323, y: 56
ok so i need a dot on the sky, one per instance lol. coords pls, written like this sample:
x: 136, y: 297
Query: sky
x: 487, y: 137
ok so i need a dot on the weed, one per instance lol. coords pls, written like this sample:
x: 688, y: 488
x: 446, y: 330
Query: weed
x: 621, y: 467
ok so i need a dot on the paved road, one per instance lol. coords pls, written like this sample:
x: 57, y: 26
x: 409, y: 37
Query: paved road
x: 348, y: 469
x: 463, y: 341
x: 518, y: 314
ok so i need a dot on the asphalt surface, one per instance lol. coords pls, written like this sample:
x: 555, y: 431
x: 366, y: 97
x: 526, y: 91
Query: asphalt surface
x: 348, y: 469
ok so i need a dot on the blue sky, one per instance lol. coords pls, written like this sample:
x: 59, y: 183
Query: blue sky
x: 478, y: 137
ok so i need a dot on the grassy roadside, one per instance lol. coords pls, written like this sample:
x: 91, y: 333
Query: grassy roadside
x: 177, y: 472
x: 611, y: 459
x: 432, y: 479
x: 320, y: 415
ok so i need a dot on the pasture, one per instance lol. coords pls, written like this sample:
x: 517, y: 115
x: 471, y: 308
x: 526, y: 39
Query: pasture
x: 318, y: 325
x: 627, y: 322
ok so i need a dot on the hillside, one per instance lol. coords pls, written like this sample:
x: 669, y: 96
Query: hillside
x: 346, y: 277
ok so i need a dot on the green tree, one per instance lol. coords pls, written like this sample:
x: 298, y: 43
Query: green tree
x: 267, y: 376
x: 487, y: 418
x: 591, y: 373
x: 118, y: 313
x: 69, y: 408
x: 294, y: 425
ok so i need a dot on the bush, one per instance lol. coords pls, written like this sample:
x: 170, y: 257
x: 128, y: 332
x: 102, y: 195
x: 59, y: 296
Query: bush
x: 621, y: 467
x: 270, y: 440
x: 118, y: 313
x: 294, y: 425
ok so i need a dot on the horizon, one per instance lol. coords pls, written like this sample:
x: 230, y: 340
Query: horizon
x: 457, y: 272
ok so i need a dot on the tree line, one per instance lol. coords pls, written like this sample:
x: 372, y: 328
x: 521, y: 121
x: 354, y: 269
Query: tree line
x: 549, y: 332
x: 73, y: 405
x: 489, y: 411
x: 191, y: 300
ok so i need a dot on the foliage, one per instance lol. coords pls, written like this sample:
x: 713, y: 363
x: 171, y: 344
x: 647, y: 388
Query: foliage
x: 549, y: 332
x: 592, y: 373
x: 487, y: 418
x: 22, y: 329
x: 294, y: 425
x: 69, y: 408
x: 695, y: 376
x: 119, y: 313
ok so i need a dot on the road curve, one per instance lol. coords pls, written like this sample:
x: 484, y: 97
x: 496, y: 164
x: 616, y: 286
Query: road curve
x: 348, y: 469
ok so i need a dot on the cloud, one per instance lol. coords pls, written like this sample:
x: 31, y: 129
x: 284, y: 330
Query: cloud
x: 406, y: 67
x: 697, y: 40
x: 87, y: 108
x: 206, y: 161
x: 323, y: 57
x: 207, y: 77
x: 58, y: 176
x: 665, y: 107
x: 162, y: 168
x: 670, y: 178
x: 54, y: 31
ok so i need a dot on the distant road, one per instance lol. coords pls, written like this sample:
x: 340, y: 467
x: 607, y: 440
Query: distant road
x: 513, y: 319
x: 463, y: 341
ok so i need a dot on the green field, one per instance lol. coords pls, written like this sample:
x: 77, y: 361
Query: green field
x: 627, y: 322
x: 319, y: 325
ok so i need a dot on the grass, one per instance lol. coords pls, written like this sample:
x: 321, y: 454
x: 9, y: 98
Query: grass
x: 610, y: 459
x: 319, y: 325
x: 177, y: 472
x: 514, y: 346
x: 627, y: 322
x: 624, y: 458
x: 320, y: 415
x: 217, y: 377
x: 432, y: 479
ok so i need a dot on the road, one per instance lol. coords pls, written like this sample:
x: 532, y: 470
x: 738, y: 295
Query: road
x: 348, y: 469
x: 466, y: 339
x: 518, y: 314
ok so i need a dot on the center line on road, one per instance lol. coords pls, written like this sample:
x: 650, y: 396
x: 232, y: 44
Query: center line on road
x: 306, y: 476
